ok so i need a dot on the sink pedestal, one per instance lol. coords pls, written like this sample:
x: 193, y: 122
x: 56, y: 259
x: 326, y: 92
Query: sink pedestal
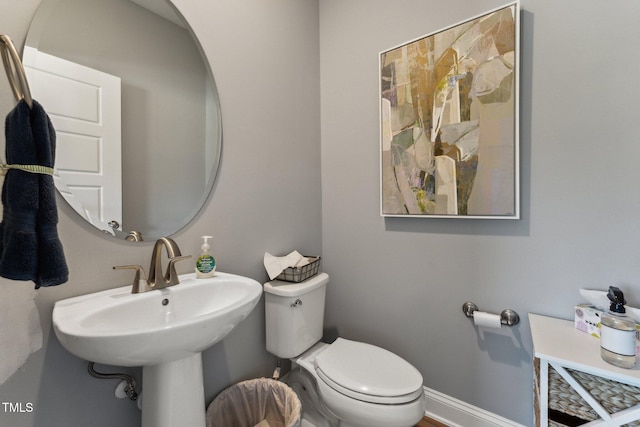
x: 173, y: 393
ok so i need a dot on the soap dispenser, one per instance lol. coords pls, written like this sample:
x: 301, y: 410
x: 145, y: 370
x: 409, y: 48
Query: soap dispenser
x: 617, y: 333
x: 205, y: 264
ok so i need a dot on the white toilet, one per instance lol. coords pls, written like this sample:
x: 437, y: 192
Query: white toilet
x: 361, y: 384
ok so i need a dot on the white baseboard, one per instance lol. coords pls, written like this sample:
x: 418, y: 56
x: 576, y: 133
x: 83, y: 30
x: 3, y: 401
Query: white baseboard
x: 456, y: 413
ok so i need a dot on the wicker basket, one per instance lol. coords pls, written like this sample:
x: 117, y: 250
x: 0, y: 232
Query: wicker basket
x: 612, y: 395
x: 298, y: 274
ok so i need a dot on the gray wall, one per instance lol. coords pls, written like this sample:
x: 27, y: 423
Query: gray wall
x: 400, y: 283
x: 267, y: 198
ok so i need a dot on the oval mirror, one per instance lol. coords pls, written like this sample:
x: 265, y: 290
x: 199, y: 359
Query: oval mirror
x: 135, y: 109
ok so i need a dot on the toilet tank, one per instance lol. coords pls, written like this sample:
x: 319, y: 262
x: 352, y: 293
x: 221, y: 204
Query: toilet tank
x: 294, y: 314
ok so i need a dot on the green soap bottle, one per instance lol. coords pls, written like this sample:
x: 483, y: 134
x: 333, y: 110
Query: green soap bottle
x: 206, y: 263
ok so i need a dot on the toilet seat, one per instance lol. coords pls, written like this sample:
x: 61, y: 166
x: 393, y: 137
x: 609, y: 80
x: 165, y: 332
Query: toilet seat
x: 368, y: 373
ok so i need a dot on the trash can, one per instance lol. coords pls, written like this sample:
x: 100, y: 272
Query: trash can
x: 261, y: 402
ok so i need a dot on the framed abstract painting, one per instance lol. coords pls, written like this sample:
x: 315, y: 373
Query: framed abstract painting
x: 449, y: 121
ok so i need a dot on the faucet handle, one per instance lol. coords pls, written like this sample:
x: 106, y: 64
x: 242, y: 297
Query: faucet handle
x: 171, y: 275
x: 135, y: 287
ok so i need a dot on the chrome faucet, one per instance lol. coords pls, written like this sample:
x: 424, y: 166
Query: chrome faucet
x: 156, y: 279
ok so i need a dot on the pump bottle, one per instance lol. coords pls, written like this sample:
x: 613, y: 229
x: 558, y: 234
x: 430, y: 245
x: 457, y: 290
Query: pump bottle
x: 205, y: 264
x: 617, y: 333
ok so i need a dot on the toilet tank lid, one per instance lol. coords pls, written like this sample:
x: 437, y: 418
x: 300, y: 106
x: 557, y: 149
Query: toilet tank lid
x: 289, y: 289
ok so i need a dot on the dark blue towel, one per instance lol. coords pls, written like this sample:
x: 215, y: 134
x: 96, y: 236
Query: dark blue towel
x: 29, y: 245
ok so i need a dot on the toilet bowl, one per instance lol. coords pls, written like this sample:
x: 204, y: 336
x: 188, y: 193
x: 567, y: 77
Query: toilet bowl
x: 365, y: 385
x: 358, y: 383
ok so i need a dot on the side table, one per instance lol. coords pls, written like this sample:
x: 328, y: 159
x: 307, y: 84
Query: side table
x: 559, y: 345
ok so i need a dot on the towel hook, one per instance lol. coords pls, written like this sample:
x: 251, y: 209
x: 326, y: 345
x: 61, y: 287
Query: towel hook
x: 15, y: 70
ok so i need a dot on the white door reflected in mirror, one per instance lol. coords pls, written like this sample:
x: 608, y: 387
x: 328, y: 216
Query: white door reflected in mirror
x: 88, y: 129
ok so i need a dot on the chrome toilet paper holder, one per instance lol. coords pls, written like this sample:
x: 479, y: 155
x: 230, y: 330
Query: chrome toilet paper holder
x: 507, y: 317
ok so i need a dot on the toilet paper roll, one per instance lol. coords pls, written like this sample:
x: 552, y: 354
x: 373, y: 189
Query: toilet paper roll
x: 487, y: 320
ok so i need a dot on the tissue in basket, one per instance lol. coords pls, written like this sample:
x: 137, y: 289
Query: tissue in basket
x: 298, y: 274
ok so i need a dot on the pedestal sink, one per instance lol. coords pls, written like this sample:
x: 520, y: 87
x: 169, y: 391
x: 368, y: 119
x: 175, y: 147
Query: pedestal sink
x: 164, y: 331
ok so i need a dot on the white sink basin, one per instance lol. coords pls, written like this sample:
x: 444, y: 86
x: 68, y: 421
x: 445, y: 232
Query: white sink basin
x: 117, y: 327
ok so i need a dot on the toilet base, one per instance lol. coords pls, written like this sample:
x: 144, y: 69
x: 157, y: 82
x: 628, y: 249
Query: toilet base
x: 314, y: 412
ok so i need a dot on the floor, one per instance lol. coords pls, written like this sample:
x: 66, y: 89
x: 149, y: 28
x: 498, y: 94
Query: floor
x: 428, y: 422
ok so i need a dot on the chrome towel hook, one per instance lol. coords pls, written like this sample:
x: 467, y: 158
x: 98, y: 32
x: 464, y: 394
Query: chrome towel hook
x: 507, y: 317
